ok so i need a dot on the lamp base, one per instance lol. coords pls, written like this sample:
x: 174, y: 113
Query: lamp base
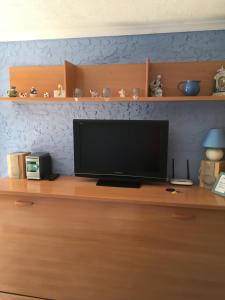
x: 214, y: 154
x: 208, y: 172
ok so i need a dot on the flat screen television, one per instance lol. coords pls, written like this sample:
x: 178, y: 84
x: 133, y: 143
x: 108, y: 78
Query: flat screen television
x: 121, y: 152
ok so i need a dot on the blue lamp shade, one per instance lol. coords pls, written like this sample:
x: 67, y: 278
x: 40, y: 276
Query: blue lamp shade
x: 215, y: 139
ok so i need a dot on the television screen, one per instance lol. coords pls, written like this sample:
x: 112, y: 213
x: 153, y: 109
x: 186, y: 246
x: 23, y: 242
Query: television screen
x: 121, y: 148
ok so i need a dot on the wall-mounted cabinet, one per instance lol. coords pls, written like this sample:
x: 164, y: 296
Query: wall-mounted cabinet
x: 115, y: 76
x: 44, y: 78
x: 85, y: 77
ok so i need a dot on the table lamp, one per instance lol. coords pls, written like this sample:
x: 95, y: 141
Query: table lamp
x: 215, y: 144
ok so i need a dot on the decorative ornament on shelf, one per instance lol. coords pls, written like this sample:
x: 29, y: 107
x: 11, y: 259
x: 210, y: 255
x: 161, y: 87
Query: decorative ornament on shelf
x: 59, y: 92
x: 93, y: 93
x: 220, y: 82
x: 106, y: 92
x: 77, y: 93
x: 156, y: 86
x: 189, y: 87
x: 23, y: 95
x: 122, y: 93
x: 12, y: 92
x: 215, y: 144
x: 46, y: 95
x: 33, y: 92
x: 136, y: 93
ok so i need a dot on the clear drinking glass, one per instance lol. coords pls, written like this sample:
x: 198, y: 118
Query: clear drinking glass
x: 106, y: 92
x: 136, y: 93
x: 77, y: 93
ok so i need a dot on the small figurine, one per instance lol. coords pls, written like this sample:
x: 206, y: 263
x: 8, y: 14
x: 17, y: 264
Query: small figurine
x: 94, y: 93
x: 46, y: 95
x: 156, y: 87
x: 122, y: 93
x: 59, y: 92
x: 23, y: 95
x: 220, y: 82
x: 33, y: 92
x: 12, y: 92
x: 59, y: 89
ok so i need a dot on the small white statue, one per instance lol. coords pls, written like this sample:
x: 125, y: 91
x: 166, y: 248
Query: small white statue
x: 46, y: 95
x: 156, y: 86
x: 122, y: 93
x: 94, y: 93
x: 59, y: 92
x: 23, y: 95
x: 59, y: 89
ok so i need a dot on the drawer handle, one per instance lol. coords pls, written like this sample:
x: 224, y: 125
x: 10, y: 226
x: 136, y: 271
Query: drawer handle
x: 22, y: 203
x: 183, y: 216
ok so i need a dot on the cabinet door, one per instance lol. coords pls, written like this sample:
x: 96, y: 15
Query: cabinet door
x: 27, y: 246
x: 67, y: 250
x: 183, y: 253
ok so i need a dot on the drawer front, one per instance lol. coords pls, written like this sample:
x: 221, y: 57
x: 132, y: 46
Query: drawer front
x: 56, y: 248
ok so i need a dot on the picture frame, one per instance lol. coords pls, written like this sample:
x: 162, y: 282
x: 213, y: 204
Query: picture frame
x: 219, y: 186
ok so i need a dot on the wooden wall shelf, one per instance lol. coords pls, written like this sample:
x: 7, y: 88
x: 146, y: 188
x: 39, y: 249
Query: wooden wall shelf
x: 85, y: 77
x: 115, y: 99
x: 115, y: 76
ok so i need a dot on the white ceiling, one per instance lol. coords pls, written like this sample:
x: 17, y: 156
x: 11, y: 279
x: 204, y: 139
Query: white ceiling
x: 51, y: 19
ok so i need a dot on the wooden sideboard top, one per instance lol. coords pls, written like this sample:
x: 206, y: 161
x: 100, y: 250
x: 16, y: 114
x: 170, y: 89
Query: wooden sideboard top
x: 86, y: 189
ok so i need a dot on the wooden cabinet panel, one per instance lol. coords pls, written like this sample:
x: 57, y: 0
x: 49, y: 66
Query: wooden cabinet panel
x: 7, y: 296
x: 115, y: 76
x: 13, y: 297
x: 43, y: 78
x: 69, y: 249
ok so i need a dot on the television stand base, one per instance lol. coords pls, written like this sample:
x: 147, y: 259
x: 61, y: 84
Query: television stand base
x: 129, y: 183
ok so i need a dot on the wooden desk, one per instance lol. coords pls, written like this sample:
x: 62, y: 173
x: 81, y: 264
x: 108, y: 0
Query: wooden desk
x: 72, y: 240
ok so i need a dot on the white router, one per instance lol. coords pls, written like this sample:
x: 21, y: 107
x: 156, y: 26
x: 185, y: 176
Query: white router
x: 181, y: 181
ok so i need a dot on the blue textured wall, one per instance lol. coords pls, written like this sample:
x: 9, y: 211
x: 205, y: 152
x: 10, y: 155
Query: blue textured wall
x: 48, y: 127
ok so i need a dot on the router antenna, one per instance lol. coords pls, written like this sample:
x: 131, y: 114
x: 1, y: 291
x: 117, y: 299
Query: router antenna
x: 188, y: 170
x: 181, y: 181
x: 173, y: 172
